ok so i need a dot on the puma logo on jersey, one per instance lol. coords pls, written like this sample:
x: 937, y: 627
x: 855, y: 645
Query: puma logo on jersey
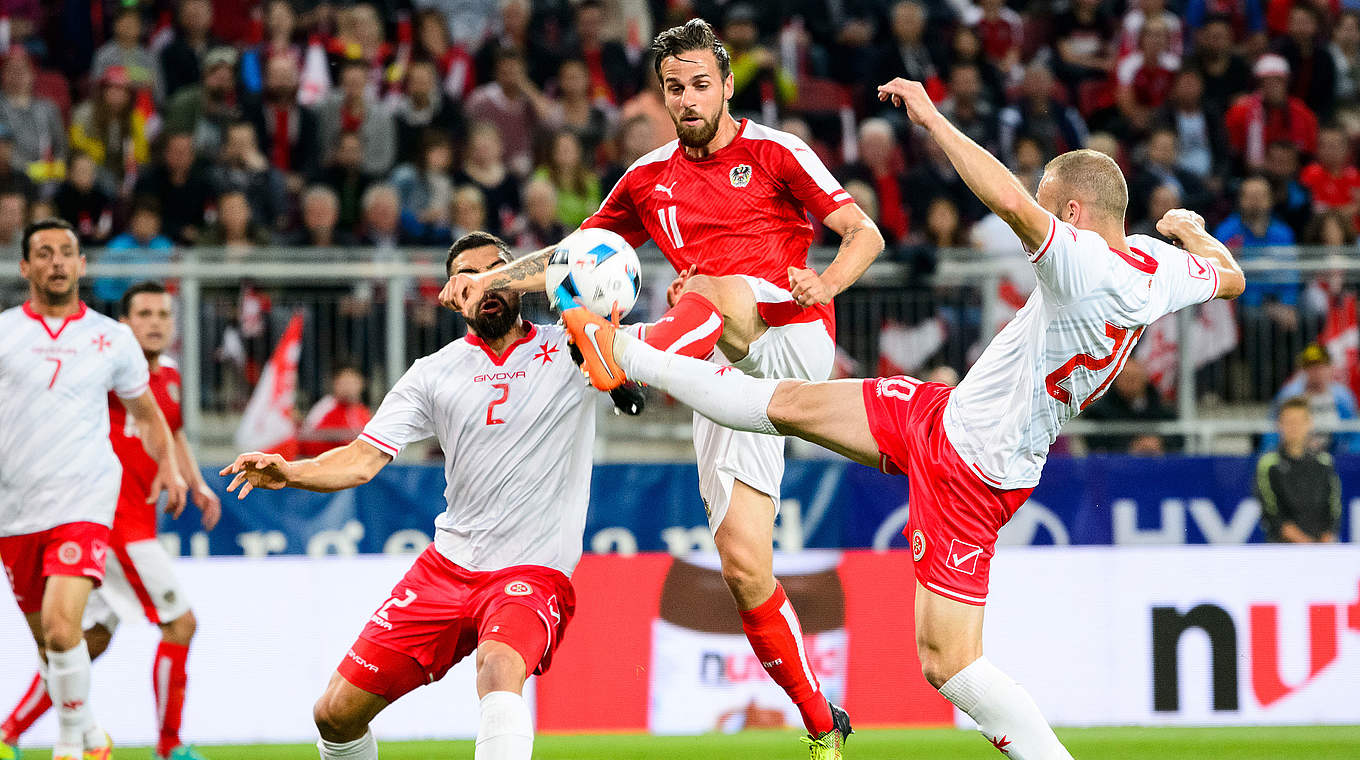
x: 498, y: 376
x: 667, y: 190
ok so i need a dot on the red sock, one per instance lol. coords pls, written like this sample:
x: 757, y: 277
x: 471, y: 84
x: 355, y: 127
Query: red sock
x: 777, y: 639
x: 691, y: 328
x: 31, y: 706
x: 168, y: 677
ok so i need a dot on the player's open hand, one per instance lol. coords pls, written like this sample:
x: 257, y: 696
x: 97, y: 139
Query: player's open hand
x: 678, y: 284
x: 462, y: 293
x: 208, y: 504
x: 912, y: 96
x: 172, y: 483
x: 256, y: 470
x: 1178, y: 221
x: 808, y: 288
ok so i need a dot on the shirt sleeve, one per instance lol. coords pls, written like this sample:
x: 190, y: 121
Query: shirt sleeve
x: 131, y: 376
x: 809, y: 180
x: 1184, y: 278
x: 619, y: 214
x: 404, y: 416
x: 1059, y: 266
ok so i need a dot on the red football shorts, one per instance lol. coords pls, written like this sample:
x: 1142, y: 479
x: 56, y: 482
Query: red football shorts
x: 439, y: 611
x: 71, y: 549
x: 955, y: 515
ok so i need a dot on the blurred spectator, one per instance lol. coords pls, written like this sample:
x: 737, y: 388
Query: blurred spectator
x: 142, y: 243
x: 1345, y: 49
x: 965, y: 48
x: 1104, y: 142
x: 1036, y: 113
x: 204, y: 110
x: 13, y: 217
x: 12, y: 175
x: 469, y: 211
x: 575, y: 109
x: 241, y: 166
x: 470, y: 21
x: 359, y: 41
x: 40, y: 209
x: 1132, y: 398
x: 538, y: 226
x: 514, y: 106
x: 457, y: 71
x: 756, y: 75
x: 425, y: 189
x: 578, y: 187
x: 234, y: 229
x: 942, y: 228
x: 320, y: 212
x: 284, y: 130
x: 1328, y: 400
x: 80, y: 201
x: 1245, y: 17
x: 1269, y: 114
x: 1159, y: 166
x: 1254, y: 226
x: 125, y: 49
x: 1201, y: 141
x: 35, y: 122
x: 351, y: 108
x: 935, y: 177
x: 344, y: 173
x: 906, y: 53
x: 181, y: 59
x: 109, y: 129
x: 967, y: 108
x: 850, y: 30
x: 483, y: 167
x: 1297, y: 486
x: 1312, y: 69
x: 1144, y: 76
x: 280, y: 26
x: 182, y: 186
x: 338, y: 417
x: 880, y: 166
x: 635, y: 139
x: 1162, y: 199
x: 1332, y: 179
x: 380, y: 220
x: 1029, y: 162
x: 1142, y: 11
x: 1226, y: 75
x: 422, y: 109
x: 613, y: 79
x: 1331, y: 229
x: 1293, y: 205
x: 1084, y: 35
x: 1000, y: 30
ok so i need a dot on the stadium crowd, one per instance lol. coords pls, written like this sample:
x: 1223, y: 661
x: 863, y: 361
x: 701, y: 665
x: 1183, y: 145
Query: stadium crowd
x: 157, y: 124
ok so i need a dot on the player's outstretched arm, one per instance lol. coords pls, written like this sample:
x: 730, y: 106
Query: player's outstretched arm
x: 159, y: 444
x: 987, y: 177
x: 1188, y: 228
x: 346, y: 467
x: 464, y: 291
x: 199, y: 491
x: 861, y: 242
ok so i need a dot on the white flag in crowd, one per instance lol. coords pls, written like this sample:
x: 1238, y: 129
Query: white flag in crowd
x: 904, y: 350
x: 316, y: 74
x: 268, y: 424
x: 1213, y: 337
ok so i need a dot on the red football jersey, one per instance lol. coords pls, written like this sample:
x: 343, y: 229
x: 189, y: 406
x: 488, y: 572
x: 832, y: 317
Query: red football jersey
x: 135, y: 519
x: 1331, y: 190
x: 741, y: 210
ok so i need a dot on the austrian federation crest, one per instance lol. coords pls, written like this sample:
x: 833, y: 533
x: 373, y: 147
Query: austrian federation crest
x: 740, y: 175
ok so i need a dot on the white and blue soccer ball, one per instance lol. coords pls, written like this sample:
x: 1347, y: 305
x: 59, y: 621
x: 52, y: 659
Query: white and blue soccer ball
x: 597, y: 267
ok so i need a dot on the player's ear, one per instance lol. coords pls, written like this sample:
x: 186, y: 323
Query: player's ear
x: 729, y: 88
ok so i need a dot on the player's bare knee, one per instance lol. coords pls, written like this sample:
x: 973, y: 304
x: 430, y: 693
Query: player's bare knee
x: 60, y: 632
x: 703, y: 285
x: 181, y: 630
x: 941, y: 663
x: 501, y: 668
x: 788, y: 407
x: 743, y: 574
x: 334, y: 721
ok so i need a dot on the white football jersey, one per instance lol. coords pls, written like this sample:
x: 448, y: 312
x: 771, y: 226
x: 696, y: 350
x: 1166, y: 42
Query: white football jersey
x: 1065, y: 346
x: 517, y: 432
x: 56, y: 463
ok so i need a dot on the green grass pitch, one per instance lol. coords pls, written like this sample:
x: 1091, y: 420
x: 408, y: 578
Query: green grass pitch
x: 1304, y: 743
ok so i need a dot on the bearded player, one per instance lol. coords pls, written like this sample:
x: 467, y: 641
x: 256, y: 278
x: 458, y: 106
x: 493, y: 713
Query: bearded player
x: 516, y: 422
x: 973, y: 454
x: 139, y: 573
x: 728, y: 204
x: 60, y: 363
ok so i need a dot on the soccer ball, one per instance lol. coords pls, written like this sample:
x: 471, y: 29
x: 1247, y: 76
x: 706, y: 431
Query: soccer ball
x: 596, y: 266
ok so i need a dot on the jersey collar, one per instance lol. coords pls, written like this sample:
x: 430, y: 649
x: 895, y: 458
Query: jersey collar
x: 510, y: 349
x: 29, y: 310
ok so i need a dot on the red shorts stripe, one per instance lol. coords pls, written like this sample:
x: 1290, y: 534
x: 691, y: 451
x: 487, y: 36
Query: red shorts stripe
x: 134, y: 580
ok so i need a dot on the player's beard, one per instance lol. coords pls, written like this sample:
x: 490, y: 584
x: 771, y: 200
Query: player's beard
x: 700, y: 136
x: 59, y: 293
x: 495, y: 324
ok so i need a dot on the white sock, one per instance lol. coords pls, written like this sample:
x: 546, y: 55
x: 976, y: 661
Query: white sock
x: 68, y: 684
x: 506, y: 731
x: 1004, y: 712
x: 363, y: 748
x: 721, y: 393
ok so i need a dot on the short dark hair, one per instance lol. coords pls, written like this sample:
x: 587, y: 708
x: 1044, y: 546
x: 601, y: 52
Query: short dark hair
x: 1092, y: 178
x: 696, y: 34
x: 50, y: 223
x: 477, y: 239
x: 147, y: 286
x: 148, y: 204
x: 1296, y: 402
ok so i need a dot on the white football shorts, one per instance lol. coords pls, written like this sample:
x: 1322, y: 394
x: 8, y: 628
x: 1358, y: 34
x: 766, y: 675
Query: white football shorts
x: 137, y: 576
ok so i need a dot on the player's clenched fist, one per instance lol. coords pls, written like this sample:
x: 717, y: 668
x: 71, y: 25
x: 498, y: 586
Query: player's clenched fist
x: 808, y: 288
x: 172, y: 483
x: 257, y: 470
x: 911, y: 95
x: 1177, y: 221
x: 462, y: 293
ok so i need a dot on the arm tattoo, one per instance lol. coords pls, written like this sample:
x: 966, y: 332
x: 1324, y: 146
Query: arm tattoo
x: 519, y: 270
x: 849, y: 237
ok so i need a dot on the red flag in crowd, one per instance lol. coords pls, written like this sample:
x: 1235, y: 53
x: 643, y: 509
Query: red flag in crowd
x: 903, y: 350
x: 268, y: 423
x: 1341, y: 337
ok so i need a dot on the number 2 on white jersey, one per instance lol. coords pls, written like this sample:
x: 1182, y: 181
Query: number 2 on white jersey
x: 669, y: 226
x: 1124, y: 340
x: 505, y: 394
